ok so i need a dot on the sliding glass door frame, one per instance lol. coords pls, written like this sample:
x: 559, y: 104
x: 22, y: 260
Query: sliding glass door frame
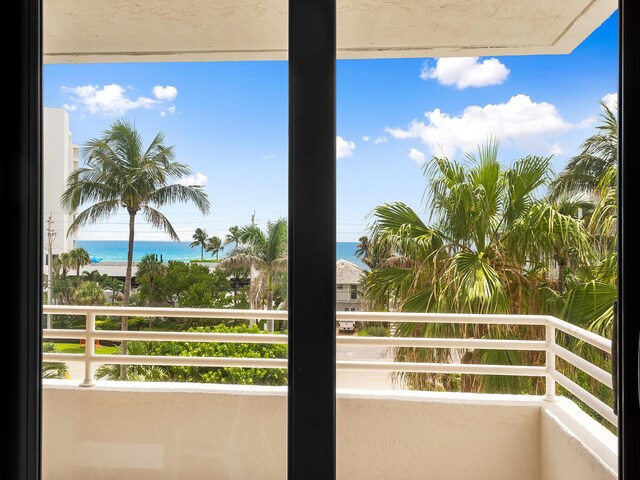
x: 311, y: 413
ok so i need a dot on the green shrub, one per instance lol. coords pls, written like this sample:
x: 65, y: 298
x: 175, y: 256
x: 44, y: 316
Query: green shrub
x: 225, y: 375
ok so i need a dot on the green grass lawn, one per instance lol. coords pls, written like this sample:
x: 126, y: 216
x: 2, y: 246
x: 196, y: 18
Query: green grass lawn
x: 77, y: 348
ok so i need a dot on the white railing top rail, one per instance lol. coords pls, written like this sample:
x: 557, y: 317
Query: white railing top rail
x: 219, y: 313
x: 548, y: 345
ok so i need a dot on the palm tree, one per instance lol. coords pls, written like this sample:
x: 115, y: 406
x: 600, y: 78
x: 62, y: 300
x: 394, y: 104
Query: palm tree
x: 266, y: 252
x: 79, y: 258
x: 233, y: 237
x: 121, y: 173
x: 200, y: 239
x: 63, y: 289
x: 213, y: 246
x: 589, y: 301
x: 89, y: 293
x: 372, y: 254
x: 62, y: 264
x: 486, y: 250
x: 150, y: 272
x: 53, y: 369
x: 599, y: 154
x: 93, y: 276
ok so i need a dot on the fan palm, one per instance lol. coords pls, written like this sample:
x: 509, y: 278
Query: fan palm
x: 266, y: 252
x: 120, y: 173
x: 490, y: 238
x: 200, y: 239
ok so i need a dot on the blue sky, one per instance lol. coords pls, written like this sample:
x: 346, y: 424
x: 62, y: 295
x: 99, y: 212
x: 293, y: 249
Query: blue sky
x: 228, y: 121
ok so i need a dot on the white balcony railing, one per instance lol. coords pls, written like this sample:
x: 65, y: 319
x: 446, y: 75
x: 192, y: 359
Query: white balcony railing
x: 549, y: 345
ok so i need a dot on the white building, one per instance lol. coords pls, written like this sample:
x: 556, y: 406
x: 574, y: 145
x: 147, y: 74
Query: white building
x: 60, y: 158
x: 349, y: 286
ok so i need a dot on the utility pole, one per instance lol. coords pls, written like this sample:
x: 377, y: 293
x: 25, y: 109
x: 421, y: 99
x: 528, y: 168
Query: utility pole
x: 51, y: 236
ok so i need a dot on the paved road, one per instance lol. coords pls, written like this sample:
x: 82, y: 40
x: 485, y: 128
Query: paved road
x: 363, y: 379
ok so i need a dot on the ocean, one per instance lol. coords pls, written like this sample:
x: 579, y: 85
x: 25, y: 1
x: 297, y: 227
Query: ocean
x: 116, y: 250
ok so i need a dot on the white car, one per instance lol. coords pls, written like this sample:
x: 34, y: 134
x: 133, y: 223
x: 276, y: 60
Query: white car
x: 347, y: 326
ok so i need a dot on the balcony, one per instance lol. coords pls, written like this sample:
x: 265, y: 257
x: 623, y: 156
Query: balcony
x: 139, y: 430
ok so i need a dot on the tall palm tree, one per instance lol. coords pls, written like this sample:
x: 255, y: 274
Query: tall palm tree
x: 200, y: 239
x: 79, y: 258
x: 120, y: 173
x: 213, y: 246
x: 485, y: 250
x: 233, y: 237
x: 372, y: 254
x: 62, y: 264
x: 266, y: 252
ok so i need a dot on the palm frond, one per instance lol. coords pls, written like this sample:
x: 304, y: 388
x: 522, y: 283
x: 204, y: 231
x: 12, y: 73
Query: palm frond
x: 158, y: 220
x: 177, y: 193
x: 590, y: 305
x: 94, y: 213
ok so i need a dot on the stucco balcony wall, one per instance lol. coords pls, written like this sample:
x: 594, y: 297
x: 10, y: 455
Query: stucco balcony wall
x: 130, y: 430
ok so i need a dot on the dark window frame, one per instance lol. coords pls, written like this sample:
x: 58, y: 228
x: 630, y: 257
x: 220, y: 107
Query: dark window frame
x: 628, y: 347
x: 311, y: 441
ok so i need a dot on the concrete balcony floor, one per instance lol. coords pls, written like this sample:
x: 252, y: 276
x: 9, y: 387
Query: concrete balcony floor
x: 131, y: 430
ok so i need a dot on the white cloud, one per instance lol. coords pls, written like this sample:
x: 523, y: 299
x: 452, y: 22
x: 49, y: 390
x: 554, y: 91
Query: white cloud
x: 611, y: 101
x: 270, y: 156
x: 165, y: 93
x: 169, y: 111
x: 557, y: 149
x: 110, y: 100
x: 380, y: 140
x: 195, y: 179
x: 519, y: 123
x: 587, y: 122
x: 416, y: 155
x: 466, y: 72
x: 365, y: 138
x: 69, y: 108
x: 344, y: 148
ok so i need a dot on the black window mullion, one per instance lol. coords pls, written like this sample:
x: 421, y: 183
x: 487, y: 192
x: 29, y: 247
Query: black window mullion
x: 312, y: 239
x: 628, y: 249
x: 22, y: 262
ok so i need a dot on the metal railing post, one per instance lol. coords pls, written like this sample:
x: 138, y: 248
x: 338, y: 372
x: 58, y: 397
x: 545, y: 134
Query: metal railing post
x: 550, y: 394
x: 89, y: 350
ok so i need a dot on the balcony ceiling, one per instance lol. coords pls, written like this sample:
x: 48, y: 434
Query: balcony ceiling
x: 78, y: 31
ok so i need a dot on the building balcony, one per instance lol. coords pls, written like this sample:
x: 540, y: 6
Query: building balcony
x: 143, y: 430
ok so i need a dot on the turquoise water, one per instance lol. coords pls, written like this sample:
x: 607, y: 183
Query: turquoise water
x: 116, y: 250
